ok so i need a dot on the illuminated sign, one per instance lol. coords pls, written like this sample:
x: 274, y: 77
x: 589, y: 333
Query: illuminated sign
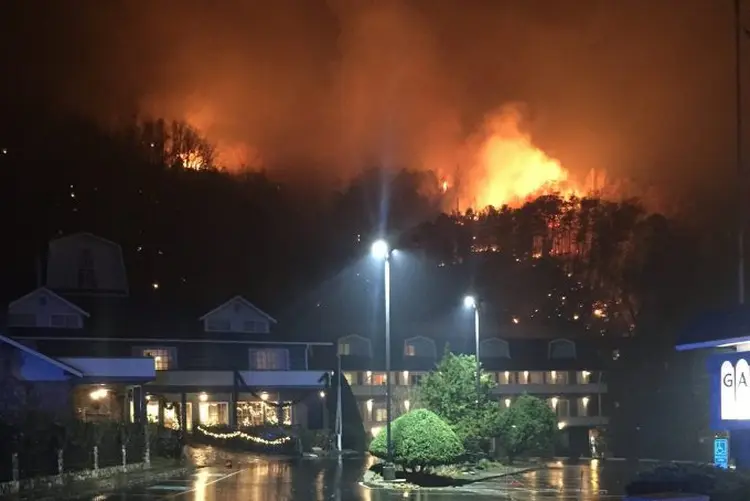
x: 721, y: 452
x: 735, y: 390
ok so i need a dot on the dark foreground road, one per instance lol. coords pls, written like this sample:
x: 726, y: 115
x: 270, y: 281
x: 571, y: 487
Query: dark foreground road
x: 318, y: 480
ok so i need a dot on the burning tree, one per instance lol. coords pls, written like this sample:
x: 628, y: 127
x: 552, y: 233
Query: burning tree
x: 176, y: 144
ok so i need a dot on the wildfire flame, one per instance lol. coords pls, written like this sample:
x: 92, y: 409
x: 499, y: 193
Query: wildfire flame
x: 510, y: 169
x: 192, y: 160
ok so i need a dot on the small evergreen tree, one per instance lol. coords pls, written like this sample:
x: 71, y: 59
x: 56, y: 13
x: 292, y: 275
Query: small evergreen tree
x: 528, y: 425
x: 420, y: 440
x: 450, y: 391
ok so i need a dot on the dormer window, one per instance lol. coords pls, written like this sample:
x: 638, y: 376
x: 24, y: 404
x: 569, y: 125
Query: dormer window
x: 255, y: 326
x: 237, y: 315
x: 354, y: 345
x: 562, y: 348
x: 218, y: 325
x: 65, y: 321
x: 86, y: 271
x: 420, y: 347
x: 494, y: 348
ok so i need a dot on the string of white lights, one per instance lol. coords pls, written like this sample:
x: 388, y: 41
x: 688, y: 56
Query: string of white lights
x: 243, y: 435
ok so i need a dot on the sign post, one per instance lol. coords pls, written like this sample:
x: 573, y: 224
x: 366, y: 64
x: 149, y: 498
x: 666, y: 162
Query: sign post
x: 721, y: 452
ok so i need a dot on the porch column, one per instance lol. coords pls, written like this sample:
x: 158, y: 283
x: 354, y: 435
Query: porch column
x: 233, y: 397
x: 161, y: 401
x: 183, y: 412
x: 139, y: 405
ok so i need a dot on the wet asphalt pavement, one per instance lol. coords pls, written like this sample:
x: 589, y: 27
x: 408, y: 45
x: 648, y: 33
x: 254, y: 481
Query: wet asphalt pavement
x: 262, y: 478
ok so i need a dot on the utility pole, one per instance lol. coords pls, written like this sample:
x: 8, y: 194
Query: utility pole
x: 740, y: 167
x: 339, y: 429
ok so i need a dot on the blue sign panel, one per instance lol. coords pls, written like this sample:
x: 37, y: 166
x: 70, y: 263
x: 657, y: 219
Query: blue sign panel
x: 730, y: 391
x: 721, y: 452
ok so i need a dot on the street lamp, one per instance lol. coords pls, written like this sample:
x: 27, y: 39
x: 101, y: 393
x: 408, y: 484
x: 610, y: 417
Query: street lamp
x: 381, y: 251
x: 471, y: 303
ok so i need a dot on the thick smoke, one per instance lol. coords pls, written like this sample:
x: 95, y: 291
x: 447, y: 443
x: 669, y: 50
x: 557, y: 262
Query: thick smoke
x: 640, y: 89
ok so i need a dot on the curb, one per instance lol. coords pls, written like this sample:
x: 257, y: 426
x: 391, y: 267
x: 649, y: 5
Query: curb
x: 77, y: 490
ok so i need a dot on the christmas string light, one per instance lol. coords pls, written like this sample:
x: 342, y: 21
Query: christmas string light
x: 241, y: 434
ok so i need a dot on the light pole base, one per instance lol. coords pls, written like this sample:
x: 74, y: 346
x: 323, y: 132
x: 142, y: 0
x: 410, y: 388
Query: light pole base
x: 389, y: 472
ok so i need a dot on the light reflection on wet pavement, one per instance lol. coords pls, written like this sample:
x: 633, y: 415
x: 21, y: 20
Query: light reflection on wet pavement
x: 261, y: 478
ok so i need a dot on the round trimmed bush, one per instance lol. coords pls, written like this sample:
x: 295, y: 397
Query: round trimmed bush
x: 420, y: 439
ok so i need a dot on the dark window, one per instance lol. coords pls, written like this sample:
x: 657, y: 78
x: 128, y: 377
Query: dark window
x: 86, y: 271
x: 217, y: 324
x: 22, y: 320
x: 65, y: 321
x: 255, y: 326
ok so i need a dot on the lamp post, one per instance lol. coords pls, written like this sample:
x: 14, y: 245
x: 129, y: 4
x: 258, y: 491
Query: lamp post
x: 381, y: 251
x: 471, y: 302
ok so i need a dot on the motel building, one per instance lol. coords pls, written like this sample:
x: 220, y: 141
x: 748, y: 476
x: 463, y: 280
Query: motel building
x: 727, y: 342
x: 82, y: 342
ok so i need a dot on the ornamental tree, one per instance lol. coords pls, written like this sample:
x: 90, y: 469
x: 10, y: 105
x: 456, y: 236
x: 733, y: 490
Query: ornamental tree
x: 420, y: 440
x: 528, y: 425
x: 450, y: 391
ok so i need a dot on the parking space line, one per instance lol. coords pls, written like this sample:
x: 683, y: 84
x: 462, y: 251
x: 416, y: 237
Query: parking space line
x: 195, y: 488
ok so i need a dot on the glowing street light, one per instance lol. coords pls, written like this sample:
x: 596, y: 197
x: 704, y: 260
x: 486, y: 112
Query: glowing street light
x: 381, y: 251
x: 471, y: 303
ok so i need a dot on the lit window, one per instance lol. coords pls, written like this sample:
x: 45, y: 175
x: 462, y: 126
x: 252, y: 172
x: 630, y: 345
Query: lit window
x: 378, y: 379
x: 345, y: 349
x: 410, y: 350
x: 258, y: 413
x: 381, y: 415
x: 163, y: 357
x: 535, y: 377
x: 351, y: 378
x: 213, y: 413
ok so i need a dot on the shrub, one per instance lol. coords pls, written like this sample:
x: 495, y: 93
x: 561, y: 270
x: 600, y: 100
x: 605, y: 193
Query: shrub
x: 420, y: 439
x: 719, y: 484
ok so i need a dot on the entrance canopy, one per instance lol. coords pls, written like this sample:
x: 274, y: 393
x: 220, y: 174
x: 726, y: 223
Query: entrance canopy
x: 716, y: 329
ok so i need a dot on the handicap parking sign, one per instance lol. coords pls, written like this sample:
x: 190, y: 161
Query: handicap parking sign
x: 721, y: 452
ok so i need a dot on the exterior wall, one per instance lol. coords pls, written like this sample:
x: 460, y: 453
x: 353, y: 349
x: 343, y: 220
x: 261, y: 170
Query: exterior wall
x: 30, y: 384
x: 369, y: 390
x: 189, y: 356
x: 63, y: 264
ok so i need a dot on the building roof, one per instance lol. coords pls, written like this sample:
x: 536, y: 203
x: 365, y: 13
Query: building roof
x: 243, y: 301
x: 32, y: 352
x: 51, y: 293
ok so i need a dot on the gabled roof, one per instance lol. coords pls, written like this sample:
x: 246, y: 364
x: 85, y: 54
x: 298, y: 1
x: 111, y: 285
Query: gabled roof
x: 51, y: 293
x: 85, y: 234
x: 243, y: 301
x: 41, y: 356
